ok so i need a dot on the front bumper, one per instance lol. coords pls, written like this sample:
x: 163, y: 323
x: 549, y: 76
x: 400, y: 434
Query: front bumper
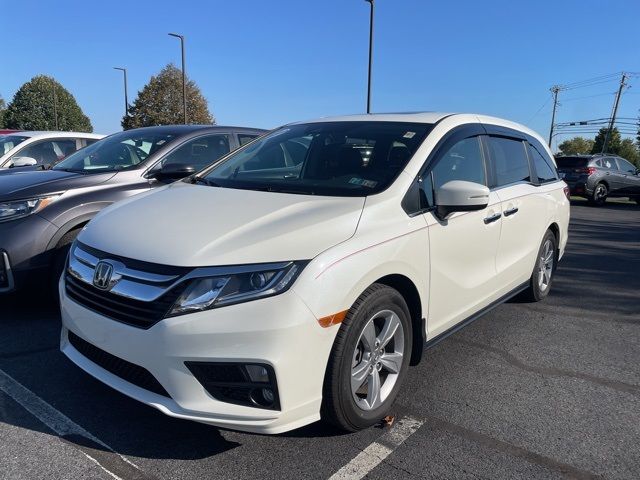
x: 279, y: 331
x: 23, y: 249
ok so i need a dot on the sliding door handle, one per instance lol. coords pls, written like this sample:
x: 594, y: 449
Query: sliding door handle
x: 511, y: 211
x: 492, y: 218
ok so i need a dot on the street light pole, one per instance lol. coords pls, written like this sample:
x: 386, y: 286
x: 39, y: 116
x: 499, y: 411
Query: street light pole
x: 371, y: 2
x: 184, y: 77
x: 126, y: 94
x: 55, y: 107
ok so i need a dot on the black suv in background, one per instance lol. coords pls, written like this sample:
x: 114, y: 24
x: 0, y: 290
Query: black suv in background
x: 41, y: 212
x: 596, y: 177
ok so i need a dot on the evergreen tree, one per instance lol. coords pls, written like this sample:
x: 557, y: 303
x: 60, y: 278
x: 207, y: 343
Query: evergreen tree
x: 160, y: 102
x: 42, y: 100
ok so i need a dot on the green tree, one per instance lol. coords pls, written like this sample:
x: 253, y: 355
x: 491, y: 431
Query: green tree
x: 576, y: 146
x: 629, y: 151
x: 160, y: 102
x: 614, y: 144
x: 37, y: 103
x: 3, y: 110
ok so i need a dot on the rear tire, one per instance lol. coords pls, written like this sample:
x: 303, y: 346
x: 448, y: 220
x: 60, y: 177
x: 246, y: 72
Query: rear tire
x: 599, y: 195
x: 544, y: 269
x: 369, y: 360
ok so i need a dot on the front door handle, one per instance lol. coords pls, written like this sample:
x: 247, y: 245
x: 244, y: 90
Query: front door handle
x: 492, y: 218
x: 511, y: 211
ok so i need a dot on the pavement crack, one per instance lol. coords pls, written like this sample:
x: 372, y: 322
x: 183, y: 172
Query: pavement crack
x: 557, y: 372
x: 513, y: 450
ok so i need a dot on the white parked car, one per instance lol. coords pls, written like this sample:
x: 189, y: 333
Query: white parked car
x: 298, y: 277
x: 41, y: 149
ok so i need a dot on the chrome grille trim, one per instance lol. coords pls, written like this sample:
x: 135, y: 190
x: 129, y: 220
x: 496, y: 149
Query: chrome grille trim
x: 146, y: 286
x: 134, y: 284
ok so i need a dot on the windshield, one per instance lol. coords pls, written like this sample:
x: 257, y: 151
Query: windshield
x: 8, y: 142
x: 332, y: 158
x: 121, y: 151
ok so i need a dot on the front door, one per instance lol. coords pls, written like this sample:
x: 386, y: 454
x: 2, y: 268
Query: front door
x: 463, y: 247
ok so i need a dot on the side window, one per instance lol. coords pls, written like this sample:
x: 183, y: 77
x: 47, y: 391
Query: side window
x: 599, y: 163
x: 462, y: 161
x: 510, y: 160
x: 609, y: 163
x: 625, y: 166
x: 44, y: 153
x: 199, y: 152
x: 64, y: 148
x: 244, y: 138
x: 544, y: 168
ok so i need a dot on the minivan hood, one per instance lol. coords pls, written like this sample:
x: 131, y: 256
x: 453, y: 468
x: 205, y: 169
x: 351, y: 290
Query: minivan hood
x: 196, y: 225
x: 26, y: 184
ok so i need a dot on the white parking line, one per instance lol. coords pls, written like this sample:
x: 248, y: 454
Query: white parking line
x: 375, y: 453
x: 55, y: 420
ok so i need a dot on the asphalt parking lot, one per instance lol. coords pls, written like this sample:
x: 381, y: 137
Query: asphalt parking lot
x: 548, y: 390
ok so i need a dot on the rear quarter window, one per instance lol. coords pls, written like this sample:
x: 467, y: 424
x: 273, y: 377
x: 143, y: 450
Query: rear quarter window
x: 545, y: 170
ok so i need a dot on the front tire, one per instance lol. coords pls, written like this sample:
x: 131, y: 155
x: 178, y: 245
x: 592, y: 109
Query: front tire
x: 369, y: 360
x: 59, y: 259
x: 545, y: 267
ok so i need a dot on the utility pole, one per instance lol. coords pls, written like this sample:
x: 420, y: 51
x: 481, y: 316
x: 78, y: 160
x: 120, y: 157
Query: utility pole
x: 555, y: 89
x: 184, y: 77
x: 126, y: 94
x: 370, y: 54
x: 615, y: 112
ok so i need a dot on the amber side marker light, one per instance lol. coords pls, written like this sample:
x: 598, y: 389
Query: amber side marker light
x: 334, y: 319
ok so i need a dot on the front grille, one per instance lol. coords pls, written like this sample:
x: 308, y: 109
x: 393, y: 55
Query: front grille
x: 127, y: 371
x: 126, y: 310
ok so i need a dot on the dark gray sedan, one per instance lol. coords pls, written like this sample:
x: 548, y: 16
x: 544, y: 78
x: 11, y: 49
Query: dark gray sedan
x: 41, y: 212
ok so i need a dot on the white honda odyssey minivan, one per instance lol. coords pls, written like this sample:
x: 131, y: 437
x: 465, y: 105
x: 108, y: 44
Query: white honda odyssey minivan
x: 298, y: 277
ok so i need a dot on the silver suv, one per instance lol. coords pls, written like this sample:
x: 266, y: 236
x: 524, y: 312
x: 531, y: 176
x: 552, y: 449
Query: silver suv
x: 597, y: 177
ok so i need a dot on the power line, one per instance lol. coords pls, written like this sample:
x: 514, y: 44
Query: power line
x: 540, y: 109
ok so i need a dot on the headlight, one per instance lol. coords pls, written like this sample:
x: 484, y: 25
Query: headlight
x: 22, y: 208
x: 253, y: 282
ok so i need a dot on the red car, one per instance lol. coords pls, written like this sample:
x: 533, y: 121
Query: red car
x: 4, y: 132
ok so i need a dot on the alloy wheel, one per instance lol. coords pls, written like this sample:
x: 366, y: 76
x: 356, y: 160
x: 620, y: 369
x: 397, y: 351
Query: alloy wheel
x: 545, y: 265
x: 377, y: 360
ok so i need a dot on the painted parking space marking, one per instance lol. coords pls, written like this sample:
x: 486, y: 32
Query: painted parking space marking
x: 375, y: 453
x: 115, y: 465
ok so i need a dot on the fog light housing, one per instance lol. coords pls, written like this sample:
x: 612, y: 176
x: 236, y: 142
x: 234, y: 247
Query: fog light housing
x: 249, y: 384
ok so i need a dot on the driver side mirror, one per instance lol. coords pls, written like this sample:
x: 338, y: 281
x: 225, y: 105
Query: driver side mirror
x: 460, y: 196
x: 173, y: 171
x: 23, y: 162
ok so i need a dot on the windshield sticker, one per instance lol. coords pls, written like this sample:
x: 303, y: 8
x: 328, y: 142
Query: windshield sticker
x: 362, y: 182
x: 409, y: 135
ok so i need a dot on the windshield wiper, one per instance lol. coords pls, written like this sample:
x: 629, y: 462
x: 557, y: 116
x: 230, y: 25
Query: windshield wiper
x: 71, y: 170
x: 196, y: 179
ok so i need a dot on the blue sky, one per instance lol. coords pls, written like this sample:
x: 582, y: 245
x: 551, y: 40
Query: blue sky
x: 264, y: 63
